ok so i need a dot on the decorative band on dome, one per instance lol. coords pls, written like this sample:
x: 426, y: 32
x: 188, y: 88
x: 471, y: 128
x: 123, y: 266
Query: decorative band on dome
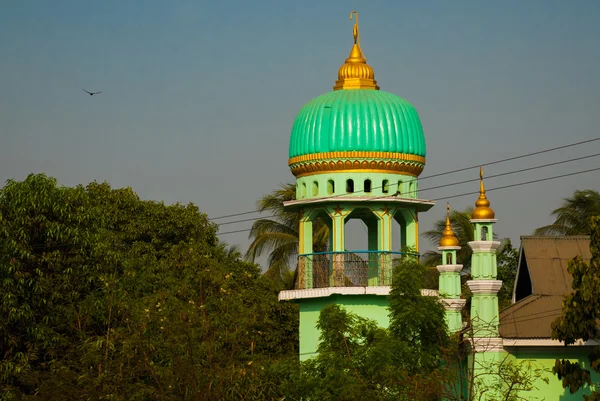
x: 400, y: 163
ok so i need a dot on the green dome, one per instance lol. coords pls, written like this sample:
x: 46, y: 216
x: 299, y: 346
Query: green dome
x: 357, y: 120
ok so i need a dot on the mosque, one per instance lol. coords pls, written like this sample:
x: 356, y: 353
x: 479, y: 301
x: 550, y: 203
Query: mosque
x: 357, y: 153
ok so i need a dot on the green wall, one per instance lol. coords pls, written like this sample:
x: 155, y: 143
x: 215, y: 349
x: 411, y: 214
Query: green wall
x: 373, y: 307
x: 544, y: 357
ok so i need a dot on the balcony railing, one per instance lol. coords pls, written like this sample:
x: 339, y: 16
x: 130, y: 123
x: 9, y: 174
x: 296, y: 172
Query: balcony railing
x: 347, y: 269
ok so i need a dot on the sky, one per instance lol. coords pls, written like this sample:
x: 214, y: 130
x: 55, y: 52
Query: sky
x: 199, y: 97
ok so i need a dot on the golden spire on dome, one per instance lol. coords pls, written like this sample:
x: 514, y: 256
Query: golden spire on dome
x: 448, y: 236
x: 482, y: 210
x: 355, y: 73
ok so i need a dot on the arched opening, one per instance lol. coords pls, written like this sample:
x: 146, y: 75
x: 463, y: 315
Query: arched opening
x: 315, y: 188
x: 412, y: 193
x: 350, y: 186
x: 449, y: 259
x: 367, y: 186
x: 361, y: 259
x: 303, y: 191
x: 385, y: 186
x: 330, y: 187
x: 484, y: 233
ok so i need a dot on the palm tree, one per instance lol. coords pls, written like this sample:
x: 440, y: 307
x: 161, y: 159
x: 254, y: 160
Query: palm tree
x: 278, y: 235
x: 573, y: 217
x: 463, y: 229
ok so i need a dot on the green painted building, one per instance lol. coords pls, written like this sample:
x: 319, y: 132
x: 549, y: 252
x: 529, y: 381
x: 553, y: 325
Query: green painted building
x: 357, y: 153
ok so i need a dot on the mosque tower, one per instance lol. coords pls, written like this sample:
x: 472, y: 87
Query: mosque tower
x: 449, y: 282
x: 486, y: 341
x: 356, y: 153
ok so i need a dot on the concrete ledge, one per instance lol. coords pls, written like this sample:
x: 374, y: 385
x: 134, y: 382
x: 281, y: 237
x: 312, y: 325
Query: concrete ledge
x: 484, y: 246
x: 454, y: 304
x: 485, y: 287
x: 544, y: 342
x: 449, y: 268
x: 326, y: 292
x: 486, y: 344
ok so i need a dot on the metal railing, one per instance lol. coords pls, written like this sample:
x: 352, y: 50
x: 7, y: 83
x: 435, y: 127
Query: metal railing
x: 347, y: 269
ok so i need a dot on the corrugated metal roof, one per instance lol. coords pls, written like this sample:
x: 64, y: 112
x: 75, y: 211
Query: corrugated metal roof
x: 546, y: 260
x: 531, y: 317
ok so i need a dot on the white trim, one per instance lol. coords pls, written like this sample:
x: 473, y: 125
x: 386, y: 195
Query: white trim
x: 484, y: 246
x: 449, y: 268
x: 421, y: 204
x: 326, y: 292
x: 484, y: 286
x: 454, y: 304
x: 487, y: 344
x: 544, y: 342
x: 484, y: 220
x: 448, y: 248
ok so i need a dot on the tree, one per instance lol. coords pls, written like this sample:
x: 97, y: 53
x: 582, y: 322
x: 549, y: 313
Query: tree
x: 358, y: 360
x: 106, y: 296
x: 573, y: 217
x: 278, y: 235
x: 579, y: 318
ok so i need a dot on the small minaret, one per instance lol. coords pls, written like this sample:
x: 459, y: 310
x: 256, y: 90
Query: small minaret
x: 484, y: 286
x: 449, y: 284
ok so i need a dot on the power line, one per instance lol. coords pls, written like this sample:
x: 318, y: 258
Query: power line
x: 488, y: 190
x: 447, y: 185
x: 452, y: 171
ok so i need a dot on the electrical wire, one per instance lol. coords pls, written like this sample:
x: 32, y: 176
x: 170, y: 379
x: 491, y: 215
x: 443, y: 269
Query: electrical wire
x: 453, y: 171
x: 487, y: 190
x: 445, y: 185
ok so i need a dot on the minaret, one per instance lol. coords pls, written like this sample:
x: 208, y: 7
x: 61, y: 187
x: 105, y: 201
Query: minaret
x: 356, y: 153
x: 486, y: 344
x: 484, y: 286
x: 449, y: 283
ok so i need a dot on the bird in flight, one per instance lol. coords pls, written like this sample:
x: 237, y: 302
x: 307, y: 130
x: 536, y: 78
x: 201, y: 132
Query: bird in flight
x: 91, y: 93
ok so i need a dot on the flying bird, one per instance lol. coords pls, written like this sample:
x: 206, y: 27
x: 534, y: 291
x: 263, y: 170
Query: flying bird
x: 91, y: 93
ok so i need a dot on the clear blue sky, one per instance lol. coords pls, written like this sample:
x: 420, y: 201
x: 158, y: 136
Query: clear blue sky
x: 199, y: 97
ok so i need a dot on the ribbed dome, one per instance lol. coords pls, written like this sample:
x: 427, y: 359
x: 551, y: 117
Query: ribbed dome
x: 357, y: 120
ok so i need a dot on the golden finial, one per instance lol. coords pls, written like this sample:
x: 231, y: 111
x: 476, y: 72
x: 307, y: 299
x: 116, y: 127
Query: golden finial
x: 355, y: 28
x: 482, y: 210
x: 448, y: 236
x: 355, y: 73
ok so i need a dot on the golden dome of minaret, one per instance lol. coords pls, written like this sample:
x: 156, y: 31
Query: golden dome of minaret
x: 482, y: 210
x: 355, y: 73
x: 448, y: 236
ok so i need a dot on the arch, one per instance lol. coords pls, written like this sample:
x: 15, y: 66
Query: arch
x: 412, y: 190
x: 385, y: 186
x: 449, y: 258
x: 303, y: 191
x: 367, y: 185
x: 350, y: 185
x: 330, y: 187
x: 399, y: 187
x: 484, y: 233
x: 315, y: 188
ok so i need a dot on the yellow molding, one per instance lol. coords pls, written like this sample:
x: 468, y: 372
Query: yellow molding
x: 356, y: 155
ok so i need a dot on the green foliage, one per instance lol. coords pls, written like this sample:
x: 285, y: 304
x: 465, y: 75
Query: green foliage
x: 358, y: 360
x: 580, y: 314
x: 507, y: 262
x: 108, y: 297
x: 574, y: 216
x: 279, y: 236
x: 463, y: 229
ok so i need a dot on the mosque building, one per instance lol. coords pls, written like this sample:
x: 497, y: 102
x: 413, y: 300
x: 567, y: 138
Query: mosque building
x: 357, y: 153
